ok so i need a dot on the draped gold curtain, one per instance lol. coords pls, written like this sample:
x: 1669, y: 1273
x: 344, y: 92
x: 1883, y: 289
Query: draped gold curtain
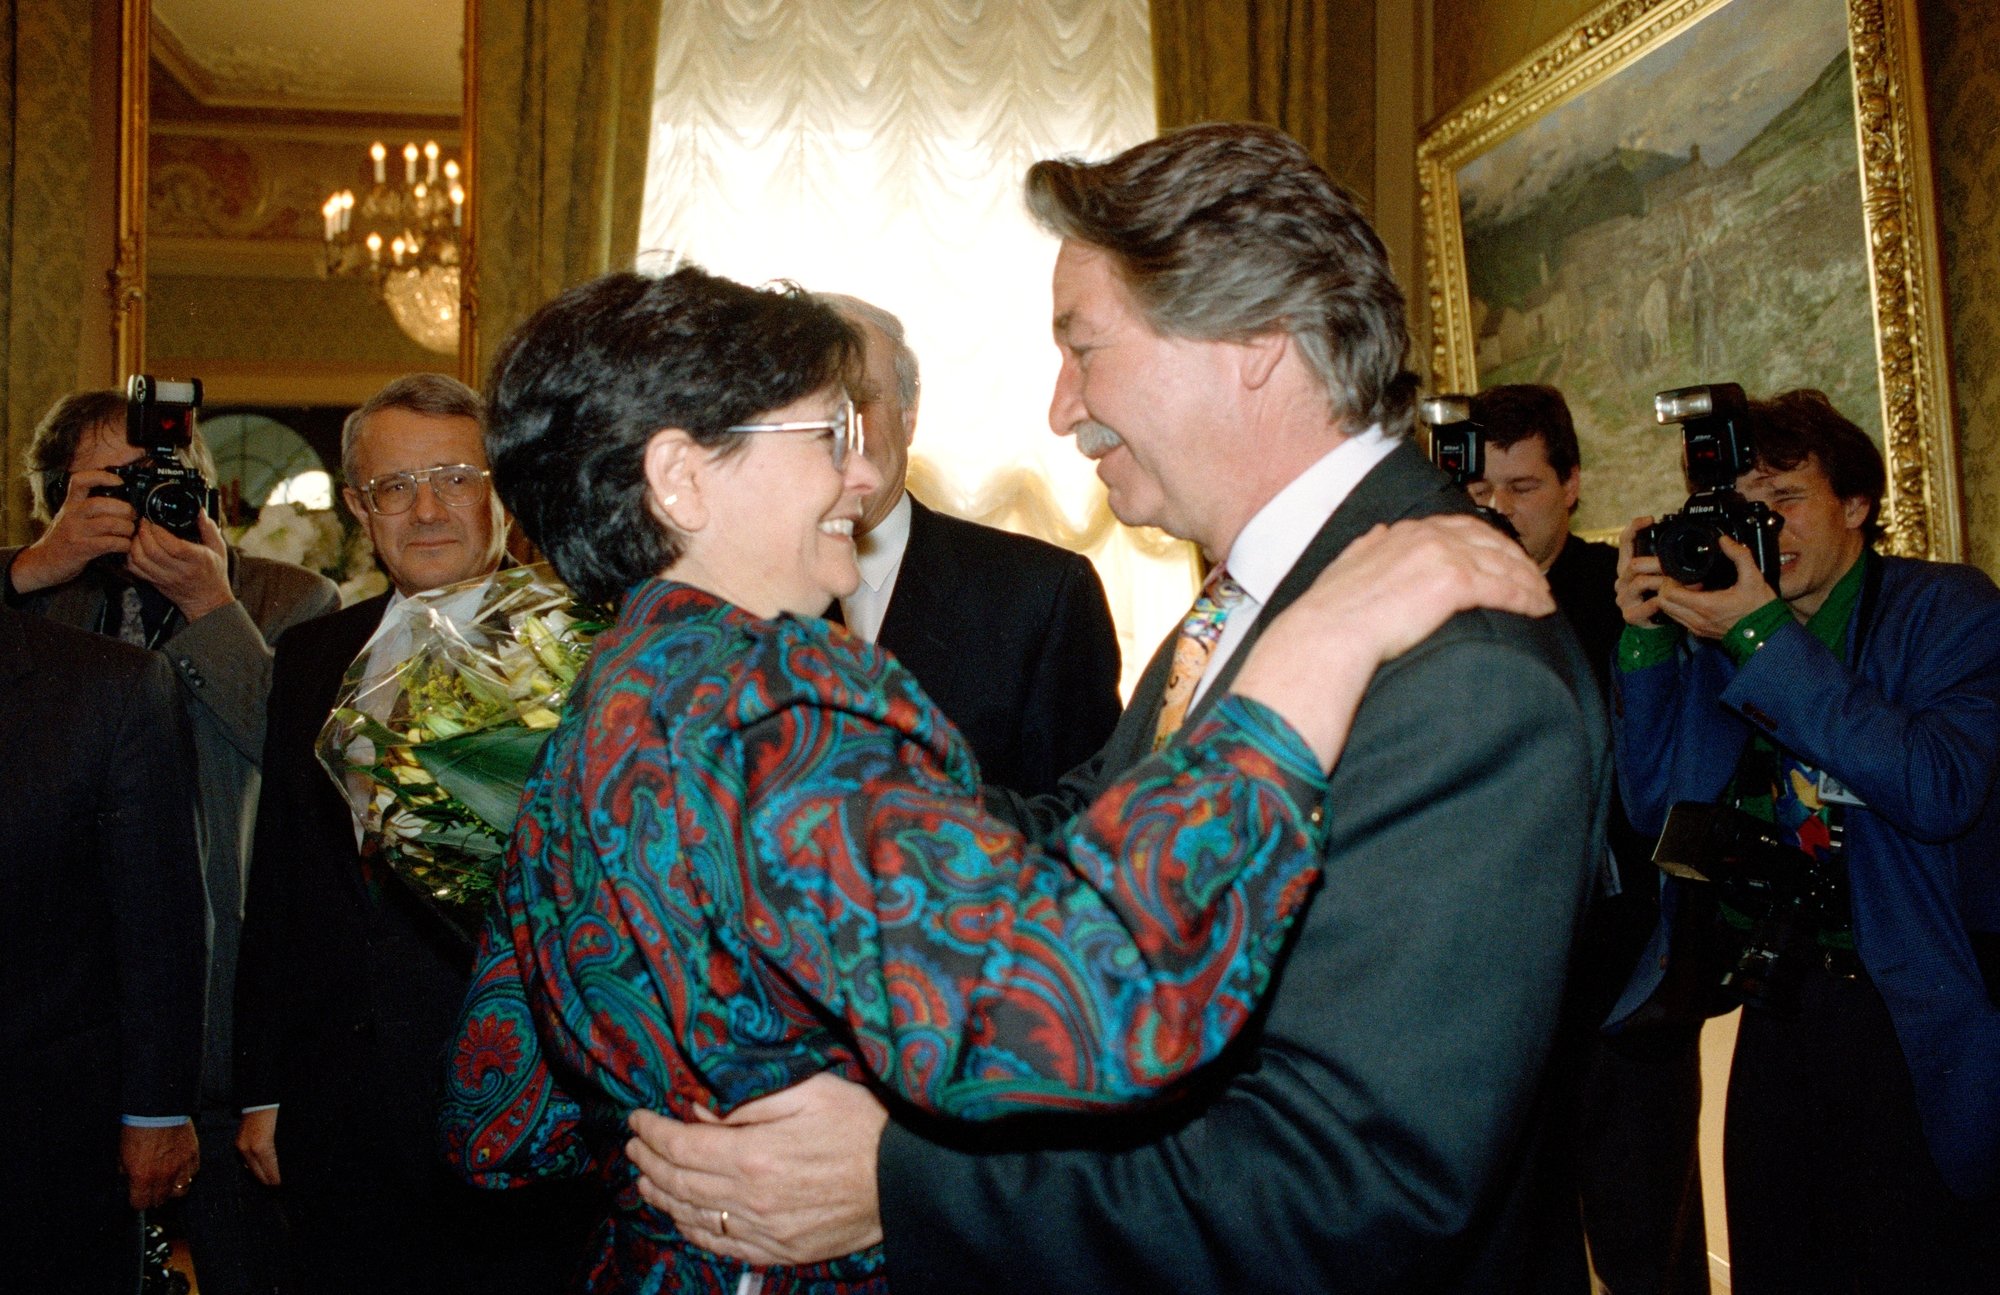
x: 45, y: 51
x: 563, y: 100
x: 1304, y: 66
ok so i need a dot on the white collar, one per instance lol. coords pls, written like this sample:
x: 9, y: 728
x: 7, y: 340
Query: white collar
x: 879, y: 553
x: 1271, y: 543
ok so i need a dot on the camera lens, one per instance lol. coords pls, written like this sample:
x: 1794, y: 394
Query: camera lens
x: 1690, y: 553
x: 175, y: 506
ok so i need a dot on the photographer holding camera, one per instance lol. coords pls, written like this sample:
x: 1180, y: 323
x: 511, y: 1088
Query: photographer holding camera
x: 1513, y: 448
x: 1856, y: 711
x: 104, y: 565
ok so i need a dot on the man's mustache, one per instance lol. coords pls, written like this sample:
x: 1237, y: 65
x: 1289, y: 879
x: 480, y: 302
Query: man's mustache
x: 1094, y: 440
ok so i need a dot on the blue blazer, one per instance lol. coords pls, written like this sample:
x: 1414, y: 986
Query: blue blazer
x: 1913, y: 729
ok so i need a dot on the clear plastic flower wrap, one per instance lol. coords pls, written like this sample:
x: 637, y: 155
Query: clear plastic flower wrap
x: 439, y: 721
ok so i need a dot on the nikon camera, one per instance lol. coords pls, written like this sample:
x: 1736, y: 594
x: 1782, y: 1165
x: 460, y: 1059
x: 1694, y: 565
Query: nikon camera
x: 160, y: 419
x: 1716, y: 439
x: 1458, y: 448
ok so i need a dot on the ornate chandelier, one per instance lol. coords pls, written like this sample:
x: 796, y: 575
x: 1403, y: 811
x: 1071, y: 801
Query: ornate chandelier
x: 405, y: 239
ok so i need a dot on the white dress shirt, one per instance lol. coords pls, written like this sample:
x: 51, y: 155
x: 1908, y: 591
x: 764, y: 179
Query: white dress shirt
x: 1270, y: 545
x: 880, y: 555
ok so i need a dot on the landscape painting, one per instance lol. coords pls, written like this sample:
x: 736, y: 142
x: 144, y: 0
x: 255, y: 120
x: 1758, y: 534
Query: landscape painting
x: 1696, y: 216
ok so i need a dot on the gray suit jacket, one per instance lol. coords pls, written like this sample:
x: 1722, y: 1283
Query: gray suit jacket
x: 223, y: 665
x: 1382, y: 1126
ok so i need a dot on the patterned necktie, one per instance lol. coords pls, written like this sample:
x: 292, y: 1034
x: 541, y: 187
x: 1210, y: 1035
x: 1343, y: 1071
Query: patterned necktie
x: 132, y: 618
x: 1200, y: 631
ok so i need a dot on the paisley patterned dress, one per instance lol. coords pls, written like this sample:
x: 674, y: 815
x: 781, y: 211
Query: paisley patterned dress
x: 753, y: 850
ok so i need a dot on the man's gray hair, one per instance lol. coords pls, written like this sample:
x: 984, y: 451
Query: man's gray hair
x: 54, y: 444
x: 1227, y: 231
x: 867, y: 312
x: 420, y: 393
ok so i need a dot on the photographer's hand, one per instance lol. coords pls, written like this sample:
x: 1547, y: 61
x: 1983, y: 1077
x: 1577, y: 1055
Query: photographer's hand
x: 195, y: 577
x: 85, y: 527
x: 1639, y: 579
x: 1710, y: 614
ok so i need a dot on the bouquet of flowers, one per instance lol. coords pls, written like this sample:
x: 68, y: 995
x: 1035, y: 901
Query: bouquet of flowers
x: 438, y: 723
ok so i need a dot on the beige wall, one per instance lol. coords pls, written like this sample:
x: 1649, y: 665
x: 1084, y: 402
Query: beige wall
x: 1476, y: 41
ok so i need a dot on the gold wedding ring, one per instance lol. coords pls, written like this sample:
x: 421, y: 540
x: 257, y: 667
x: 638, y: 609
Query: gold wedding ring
x: 722, y: 1222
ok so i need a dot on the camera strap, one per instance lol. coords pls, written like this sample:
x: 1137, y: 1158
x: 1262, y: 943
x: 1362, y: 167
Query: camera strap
x: 136, y: 613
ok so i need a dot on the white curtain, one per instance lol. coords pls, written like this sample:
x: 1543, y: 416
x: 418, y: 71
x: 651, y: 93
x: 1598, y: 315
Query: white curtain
x: 876, y: 147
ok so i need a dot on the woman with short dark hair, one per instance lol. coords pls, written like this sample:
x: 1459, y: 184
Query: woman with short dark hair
x: 753, y: 850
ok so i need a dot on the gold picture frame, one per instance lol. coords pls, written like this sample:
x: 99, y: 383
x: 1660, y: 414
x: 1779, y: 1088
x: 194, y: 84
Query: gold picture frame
x: 1542, y: 322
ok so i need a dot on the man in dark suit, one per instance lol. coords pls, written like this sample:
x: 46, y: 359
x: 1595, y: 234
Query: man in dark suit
x: 1232, y: 347
x: 1010, y: 636
x: 350, y: 986
x: 213, y: 614
x: 1639, y: 1110
x: 101, y: 953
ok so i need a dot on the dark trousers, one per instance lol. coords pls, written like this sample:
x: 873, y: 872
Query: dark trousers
x: 233, y: 1226
x: 1830, y: 1185
x: 1638, y: 1165
x: 65, y: 1226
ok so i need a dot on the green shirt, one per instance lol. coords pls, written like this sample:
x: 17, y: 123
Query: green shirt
x: 1640, y: 646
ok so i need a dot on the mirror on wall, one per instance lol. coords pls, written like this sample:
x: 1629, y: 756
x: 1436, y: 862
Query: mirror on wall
x: 259, y: 112
x: 278, y: 136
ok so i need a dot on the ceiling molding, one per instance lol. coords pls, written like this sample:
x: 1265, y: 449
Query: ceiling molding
x: 361, y: 133
x: 264, y: 78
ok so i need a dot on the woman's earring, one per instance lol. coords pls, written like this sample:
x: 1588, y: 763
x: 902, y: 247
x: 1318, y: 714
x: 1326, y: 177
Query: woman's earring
x: 670, y: 501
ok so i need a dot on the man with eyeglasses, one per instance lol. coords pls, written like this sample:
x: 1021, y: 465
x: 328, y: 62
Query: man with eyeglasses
x: 350, y: 987
x: 213, y: 614
x: 1010, y: 636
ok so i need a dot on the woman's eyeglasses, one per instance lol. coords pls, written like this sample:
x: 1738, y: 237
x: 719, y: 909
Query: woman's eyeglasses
x: 457, y: 485
x: 845, y: 425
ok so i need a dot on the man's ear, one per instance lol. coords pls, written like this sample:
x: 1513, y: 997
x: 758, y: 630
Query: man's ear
x: 1854, y: 512
x: 355, y: 504
x: 1260, y: 356
x: 673, y: 464
x: 1572, y: 487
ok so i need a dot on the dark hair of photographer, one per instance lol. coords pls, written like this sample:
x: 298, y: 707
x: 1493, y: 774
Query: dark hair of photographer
x: 1511, y: 414
x: 582, y: 386
x: 62, y: 430
x: 1793, y: 426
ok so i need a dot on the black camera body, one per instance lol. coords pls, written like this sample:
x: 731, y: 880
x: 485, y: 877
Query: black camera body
x: 160, y: 419
x: 1718, y: 450
x: 1784, y: 894
x: 1458, y: 449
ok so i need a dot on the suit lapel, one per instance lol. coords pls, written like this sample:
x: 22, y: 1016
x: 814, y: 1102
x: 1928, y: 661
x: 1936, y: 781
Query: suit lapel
x: 346, y: 634
x: 80, y: 602
x: 926, y: 583
x: 15, y: 665
x: 1401, y: 485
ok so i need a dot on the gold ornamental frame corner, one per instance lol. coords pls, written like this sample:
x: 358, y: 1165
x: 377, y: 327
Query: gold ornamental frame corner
x: 1922, y: 514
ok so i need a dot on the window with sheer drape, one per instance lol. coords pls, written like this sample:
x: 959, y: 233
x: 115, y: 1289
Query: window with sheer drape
x: 877, y: 149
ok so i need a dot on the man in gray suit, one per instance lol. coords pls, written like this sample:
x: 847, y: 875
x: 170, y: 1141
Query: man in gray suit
x: 1232, y: 347
x: 213, y: 614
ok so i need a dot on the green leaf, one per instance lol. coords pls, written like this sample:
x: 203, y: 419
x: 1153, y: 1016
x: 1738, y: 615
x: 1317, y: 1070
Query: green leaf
x: 485, y: 770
